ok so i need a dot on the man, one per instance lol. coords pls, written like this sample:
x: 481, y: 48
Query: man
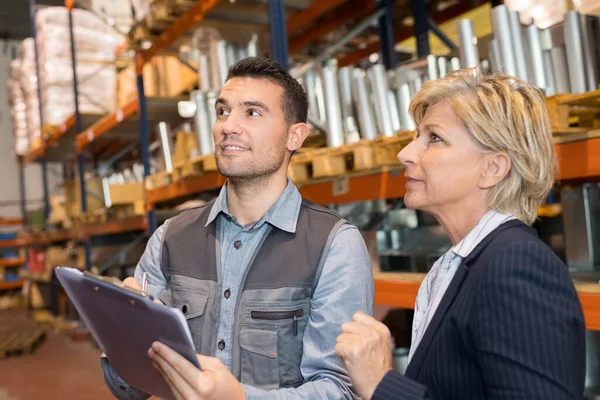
x: 264, y: 278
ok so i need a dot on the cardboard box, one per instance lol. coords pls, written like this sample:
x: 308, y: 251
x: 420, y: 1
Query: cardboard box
x: 126, y: 193
x: 73, y: 195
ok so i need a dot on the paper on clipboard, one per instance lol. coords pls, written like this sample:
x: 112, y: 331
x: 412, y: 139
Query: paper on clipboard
x: 125, y: 325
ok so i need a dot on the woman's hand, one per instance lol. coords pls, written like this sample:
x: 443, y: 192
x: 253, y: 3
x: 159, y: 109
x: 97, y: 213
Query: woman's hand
x: 364, y: 345
x: 213, y: 382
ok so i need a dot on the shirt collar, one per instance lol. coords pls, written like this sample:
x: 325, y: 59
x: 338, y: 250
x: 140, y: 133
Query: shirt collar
x: 488, y: 223
x: 283, y: 214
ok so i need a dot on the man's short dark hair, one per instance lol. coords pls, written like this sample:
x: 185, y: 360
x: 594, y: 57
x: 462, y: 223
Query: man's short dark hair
x: 295, y: 102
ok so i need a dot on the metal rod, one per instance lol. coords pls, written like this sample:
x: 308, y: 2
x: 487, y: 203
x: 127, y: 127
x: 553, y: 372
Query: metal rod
x: 561, y: 69
x: 494, y: 56
x: 403, y: 93
x: 325, y: 55
x: 589, y: 52
x: 145, y: 143
x: 211, y: 100
x: 218, y: 63
x: 252, y: 48
x: 432, y: 67
x: 536, y: 57
x: 469, y: 54
x: 335, y: 132
x: 441, y: 35
x: 442, y: 66
x: 320, y: 97
x: 386, y: 34
x: 201, y: 118
x: 166, y: 145
x: 279, y: 40
x: 574, y: 48
x: 420, y: 27
x: 506, y: 62
x: 231, y: 54
x: 455, y: 63
x: 366, y: 120
x: 348, y: 115
x: 310, y: 85
x: 394, y: 111
x: 379, y: 88
x: 517, y: 44
x: 203, y: 73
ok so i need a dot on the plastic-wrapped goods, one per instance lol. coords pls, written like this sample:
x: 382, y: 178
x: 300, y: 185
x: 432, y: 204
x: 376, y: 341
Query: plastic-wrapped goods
x: 28, y: 81
x: 95, y: 45
x: 18, y: 111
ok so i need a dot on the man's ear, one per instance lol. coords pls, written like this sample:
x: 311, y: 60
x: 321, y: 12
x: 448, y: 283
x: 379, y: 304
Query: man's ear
x: 296, y: 135
x: 497, y: 166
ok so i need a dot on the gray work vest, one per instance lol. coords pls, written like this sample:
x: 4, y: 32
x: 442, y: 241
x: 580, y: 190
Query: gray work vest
x: 273, y: 307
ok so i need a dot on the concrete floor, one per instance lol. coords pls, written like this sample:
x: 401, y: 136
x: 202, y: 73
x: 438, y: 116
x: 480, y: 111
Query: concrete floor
x: 59, y: 368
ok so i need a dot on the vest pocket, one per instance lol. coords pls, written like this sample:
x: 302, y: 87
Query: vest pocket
x: 190, y: 302
x: 259, y: 358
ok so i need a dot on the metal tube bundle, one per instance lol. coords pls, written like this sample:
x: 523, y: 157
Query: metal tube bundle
x: 203, y: 124
x: 469, y: 55
x: 166, y: 145
x: 536, y: 57
x: 348, y: 116
x: 379, y: 88
x: 503, y: 37
x: 364, y: 107
x: 335, y: 132
x: 591, y: 63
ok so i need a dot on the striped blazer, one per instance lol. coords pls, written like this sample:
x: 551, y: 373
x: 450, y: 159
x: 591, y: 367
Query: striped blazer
x: 510, y: 326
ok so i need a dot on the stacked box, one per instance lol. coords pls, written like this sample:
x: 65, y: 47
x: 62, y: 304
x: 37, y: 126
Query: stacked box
x: 28, y: 79
x: 18, y: 108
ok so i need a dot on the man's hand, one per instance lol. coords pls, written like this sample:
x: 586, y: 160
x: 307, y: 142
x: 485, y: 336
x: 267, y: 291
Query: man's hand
x: 364, y: 345
x: 214, y: 382
x: 132, y: 283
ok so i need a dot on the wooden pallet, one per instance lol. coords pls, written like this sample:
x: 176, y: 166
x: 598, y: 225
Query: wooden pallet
x: 574, y: 113
x: 363, y: 155
x: 115, y: 212
x: 20, y: 341
x: 181, y: 170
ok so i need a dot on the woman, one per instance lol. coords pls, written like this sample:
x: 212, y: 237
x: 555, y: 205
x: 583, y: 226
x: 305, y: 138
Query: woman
x: 497, y: 316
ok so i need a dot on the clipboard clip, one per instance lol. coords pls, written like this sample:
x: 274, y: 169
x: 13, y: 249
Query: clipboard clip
x: 118, y: 283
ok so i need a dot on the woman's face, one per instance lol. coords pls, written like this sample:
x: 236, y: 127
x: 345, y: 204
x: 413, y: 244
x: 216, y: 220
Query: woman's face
x: 444, y: 164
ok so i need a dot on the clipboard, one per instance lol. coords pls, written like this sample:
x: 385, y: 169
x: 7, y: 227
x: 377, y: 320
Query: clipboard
x: 125, y: 323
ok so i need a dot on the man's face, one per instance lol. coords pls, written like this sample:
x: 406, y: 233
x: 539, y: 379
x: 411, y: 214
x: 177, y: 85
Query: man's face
x: 251, y: 133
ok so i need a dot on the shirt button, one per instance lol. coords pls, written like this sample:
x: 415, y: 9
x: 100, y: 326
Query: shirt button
x: 227, y: 293
x: 184, y: 309
x: 221, y: 345
x: 237, y: 244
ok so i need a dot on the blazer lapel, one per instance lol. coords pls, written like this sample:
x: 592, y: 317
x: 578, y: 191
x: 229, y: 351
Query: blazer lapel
x: 416, y: 362
x: 413, y: 368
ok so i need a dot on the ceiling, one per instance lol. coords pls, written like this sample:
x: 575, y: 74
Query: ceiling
x: 15, y: 22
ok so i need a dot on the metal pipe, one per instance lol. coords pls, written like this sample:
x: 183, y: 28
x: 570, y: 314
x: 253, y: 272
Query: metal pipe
x: 469, y: 54
x: 416, y: 84
x: 494, y: 55
x: 348, y: 114
x: 211, y: 100
x: 403, y: 93
x: 320, y: 97
x: 231, y: 54
x: 591, y: 64
x: 442, y: 66
x: 366, y: 120
x: 550, y: 76
x: 204, y: 73
x: 144, y: 131
x: 536, y: 57
x: 310, y: 85
x: 517, y: 44
x: 561, y: 69
x: 201, y: 118
x: 455, y: 63
x: 379, y: 88
x: 166, y: 145
x: 218, y: 62
x: 574, y: 47
x: 432, y: 67
x: 394, y: 110
x: 252, y: 48
x: 335, y: 133
x: 502, y: 35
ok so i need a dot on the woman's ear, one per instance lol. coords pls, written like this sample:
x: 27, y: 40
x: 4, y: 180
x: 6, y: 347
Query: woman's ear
x: 497, y: 166
x: 296, y: 135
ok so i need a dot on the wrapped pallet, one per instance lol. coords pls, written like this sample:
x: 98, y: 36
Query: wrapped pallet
x: 95, y: 45
x: 28, y: 79
x: 18, y: 108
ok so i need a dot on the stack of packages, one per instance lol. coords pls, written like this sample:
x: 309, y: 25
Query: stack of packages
x: 95, y: 46
x: 18, y: 113
x: 28, y: 79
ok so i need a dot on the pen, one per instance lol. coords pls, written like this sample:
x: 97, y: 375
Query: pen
x: 144, y: 283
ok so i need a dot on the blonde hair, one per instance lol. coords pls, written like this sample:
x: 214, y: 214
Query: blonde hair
x: 504, y: 114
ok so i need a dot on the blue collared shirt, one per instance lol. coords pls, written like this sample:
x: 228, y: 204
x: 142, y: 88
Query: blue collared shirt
x: 345, y: 286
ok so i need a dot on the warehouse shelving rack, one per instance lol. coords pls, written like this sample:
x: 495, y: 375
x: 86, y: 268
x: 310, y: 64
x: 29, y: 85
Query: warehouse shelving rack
x: 578, y: 161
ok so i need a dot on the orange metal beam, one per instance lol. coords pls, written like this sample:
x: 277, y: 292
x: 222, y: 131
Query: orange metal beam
x: 69, y: 4
x: 317, y: 9
x: 382, y: 185
x: 105, y: 124
x: 11, y: 262
x: 183, y: 24
x: 579, y: 160
x: 11, y: 221
x: 56, y: 132
x: 4, y: 244
x: 184, y: 187
x: 328, y: 24
x: 11, y: 285
x: 590, y: 302
x: 130, y: 224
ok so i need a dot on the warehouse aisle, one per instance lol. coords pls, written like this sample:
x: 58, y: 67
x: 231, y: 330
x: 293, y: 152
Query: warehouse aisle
x: 59, y: 368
